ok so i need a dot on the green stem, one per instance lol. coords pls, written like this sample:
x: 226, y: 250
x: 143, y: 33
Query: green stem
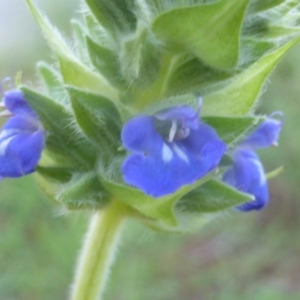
x: 98, y: 253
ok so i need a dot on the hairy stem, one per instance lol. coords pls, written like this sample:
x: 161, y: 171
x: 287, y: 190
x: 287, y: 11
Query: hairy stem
x: 98, y: 253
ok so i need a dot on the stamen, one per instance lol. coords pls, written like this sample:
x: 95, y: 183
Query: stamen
x: 200, y: 102
x: 173, y: 130
x: 180, y: 153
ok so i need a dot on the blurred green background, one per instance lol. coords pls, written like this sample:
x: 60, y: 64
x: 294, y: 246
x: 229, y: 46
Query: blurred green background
x: 237, y: 257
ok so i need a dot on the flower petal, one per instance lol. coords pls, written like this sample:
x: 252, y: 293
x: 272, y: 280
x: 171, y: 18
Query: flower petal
x: 198, y: 138
x: 21, y: 154
x: 266, y: 134
x: 139, y: 134
x: 158, y: 176
x: 247, y: 175
x: 23, y: 124
x: 186, y: 114
x: 15, y: 102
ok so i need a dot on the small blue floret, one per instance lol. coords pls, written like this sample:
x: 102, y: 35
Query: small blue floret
x: 22, y: 138
x: 247, y: 173
x: 170, y: 149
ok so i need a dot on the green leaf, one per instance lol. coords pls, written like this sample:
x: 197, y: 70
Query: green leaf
x: 279, y: 32
x: 211, y: 31
x: 192, y: 75
x: 62, y: 136
x: 98, y: 118
x: 231, y: 130
x: 73, y: 71
x: 200, y: 206
x: 79, y: 33
x: 115, y: 15
x: 106, y: 61
x: 253, y: 49
x: 79, y: 76
x: 259, y: 5
x: 83, y: 191
x: 54, y: 83
x: 140, y: 58
x: 158, y: 209
x: 212, y: 196
x: 239, y: 97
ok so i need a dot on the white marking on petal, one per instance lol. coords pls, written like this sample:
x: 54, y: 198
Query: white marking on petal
x: 262, y: 177
x: 172, y: 131
x: 180, y: 153
x: 8, y: 132
x: 4, y: 144
x: 167, y: 153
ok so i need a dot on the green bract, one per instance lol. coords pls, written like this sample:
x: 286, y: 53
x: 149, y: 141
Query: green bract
x: 140, y: 56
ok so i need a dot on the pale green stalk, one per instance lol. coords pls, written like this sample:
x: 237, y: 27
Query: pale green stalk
x: 98, y: 253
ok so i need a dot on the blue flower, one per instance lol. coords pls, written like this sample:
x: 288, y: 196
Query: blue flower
x: 170, y: 149
x: 247, y: 173
x: 22, y: 138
